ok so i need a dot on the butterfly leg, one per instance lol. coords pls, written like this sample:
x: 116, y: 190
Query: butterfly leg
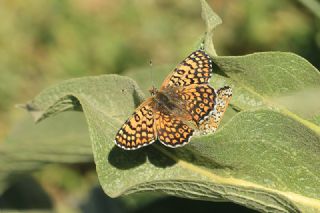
x: 210, y: 125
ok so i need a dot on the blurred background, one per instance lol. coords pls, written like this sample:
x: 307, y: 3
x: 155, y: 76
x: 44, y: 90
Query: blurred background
x: 44, y: 42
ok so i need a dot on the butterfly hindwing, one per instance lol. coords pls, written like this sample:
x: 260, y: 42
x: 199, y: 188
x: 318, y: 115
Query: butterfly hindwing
x: 211, y: 123
x: 224, y: 95
x: 138, y: 130
x: 195, y: 69
x: 172, y: 131
x: 199, y: 101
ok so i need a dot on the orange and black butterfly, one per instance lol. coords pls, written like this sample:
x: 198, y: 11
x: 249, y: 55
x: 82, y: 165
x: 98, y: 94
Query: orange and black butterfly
x: 184, y: 103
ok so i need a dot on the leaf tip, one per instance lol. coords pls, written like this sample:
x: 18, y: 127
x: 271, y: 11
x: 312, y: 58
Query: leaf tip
x: 209, y: 16
x: 34, y: 111
x: 212, y: 20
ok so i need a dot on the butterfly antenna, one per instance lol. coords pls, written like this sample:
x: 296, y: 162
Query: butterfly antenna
x: 151, y: 74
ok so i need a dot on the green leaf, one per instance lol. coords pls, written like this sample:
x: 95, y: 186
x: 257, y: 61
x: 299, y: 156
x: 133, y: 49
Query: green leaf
x: 211, y: 20
x: 61, y: 139
x: 255, y: 165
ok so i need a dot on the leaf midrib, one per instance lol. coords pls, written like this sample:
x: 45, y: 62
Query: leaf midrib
x: 282, y: 109
x: 308, y: 201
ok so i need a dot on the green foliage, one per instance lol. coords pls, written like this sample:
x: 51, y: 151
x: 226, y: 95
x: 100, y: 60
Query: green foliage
x: 265, y: 155
x: 62, y: 139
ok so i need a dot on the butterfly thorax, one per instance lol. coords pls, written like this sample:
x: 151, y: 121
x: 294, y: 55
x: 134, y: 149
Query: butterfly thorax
x: 168, y: 102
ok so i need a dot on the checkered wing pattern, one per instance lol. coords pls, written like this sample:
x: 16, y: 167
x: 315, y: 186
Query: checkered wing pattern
x: 224, y: 96
x: 199, y: 101
x: 212, y: 122
x: 195, y: 69
x: 138, y: 130
x: 172, y: 131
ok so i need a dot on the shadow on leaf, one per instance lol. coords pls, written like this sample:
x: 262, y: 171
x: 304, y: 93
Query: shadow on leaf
x: 160, y: 156
x: 189, y: 154
x: 123, y: 159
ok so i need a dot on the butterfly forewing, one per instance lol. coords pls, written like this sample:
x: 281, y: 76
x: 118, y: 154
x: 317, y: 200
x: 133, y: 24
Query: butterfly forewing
x: 195, y: 69
x: 138, y: 130
x: 172, y: 131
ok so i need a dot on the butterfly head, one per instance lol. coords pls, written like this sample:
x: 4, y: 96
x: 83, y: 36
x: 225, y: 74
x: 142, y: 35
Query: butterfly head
x: 153, y: 91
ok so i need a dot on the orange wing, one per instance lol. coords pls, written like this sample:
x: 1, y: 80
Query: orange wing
x: 200, y: 101
x: 138, y: 130
x: 171, y: 131
x: 195, y: 69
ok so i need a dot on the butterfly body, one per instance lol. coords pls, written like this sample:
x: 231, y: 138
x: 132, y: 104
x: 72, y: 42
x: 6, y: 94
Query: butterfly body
x: 168, y: 102
x: 184, y: 103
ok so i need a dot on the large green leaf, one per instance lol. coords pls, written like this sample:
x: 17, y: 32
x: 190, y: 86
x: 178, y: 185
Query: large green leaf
x: 261, y: 158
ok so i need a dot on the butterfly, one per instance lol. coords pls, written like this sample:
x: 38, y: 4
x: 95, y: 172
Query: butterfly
x: 185, y: 103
